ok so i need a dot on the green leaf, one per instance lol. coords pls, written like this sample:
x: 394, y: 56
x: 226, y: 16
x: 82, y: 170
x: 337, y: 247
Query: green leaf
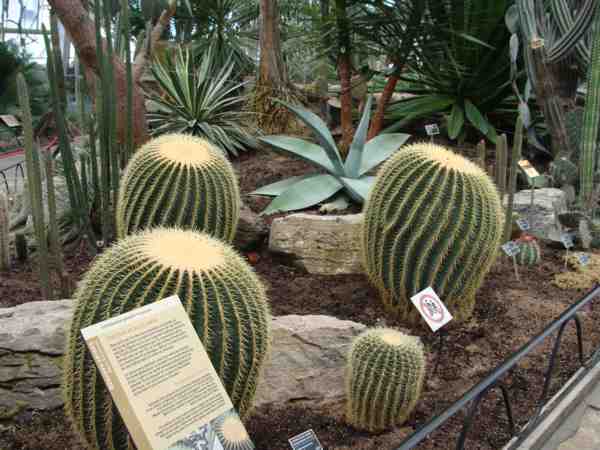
x: 305, y: 193
x: 476, y: 118
x: 324, y: 137
x: 274, y: 189
x: 358, y: 188
x: 355, y: 155
x: 456, y: 121
x: 306, y: 150
x: 381, y: 148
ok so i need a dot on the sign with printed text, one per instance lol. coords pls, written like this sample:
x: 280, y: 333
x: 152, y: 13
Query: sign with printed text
x: 10, y: 120
x: 432, y: 129
x: 511, y: 248
x: 305, y: 441
x: 431, y: 308
x: 584, y: 259
x: 567, y: 240
x: 523, y: 224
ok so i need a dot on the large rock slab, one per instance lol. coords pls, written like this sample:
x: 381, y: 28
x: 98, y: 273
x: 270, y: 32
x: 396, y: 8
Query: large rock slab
x: 548, y: 203
x: 32, y: 342
x: 325, y: 245
x: 307, y: 357
x: 251, y: 230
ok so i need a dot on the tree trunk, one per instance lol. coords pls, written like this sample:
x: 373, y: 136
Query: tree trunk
x: 323, y: 87
x: 82, y: 32
x: 386, y: 95
x: 271, y: 71
x: 344, y: 67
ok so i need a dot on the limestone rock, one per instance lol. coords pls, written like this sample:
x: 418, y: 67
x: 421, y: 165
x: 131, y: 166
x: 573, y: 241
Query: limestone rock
x: 307, y: 359
x: 326, y: 245
x: 32, y: 341
x: 251, y: 229
x: 548, y: 203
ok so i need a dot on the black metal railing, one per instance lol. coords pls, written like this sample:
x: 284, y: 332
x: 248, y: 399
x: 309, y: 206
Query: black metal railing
x: 19, y: 174
x: 476, y: 394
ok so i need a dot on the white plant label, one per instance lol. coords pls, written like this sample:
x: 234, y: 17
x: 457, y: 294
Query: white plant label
x: 523, y: 224
x: 567, y: 240
x: 431, y: 308
x: 511, y: 248
x: 584, y: 259
x: 305, y: 441
x: 432, y: 129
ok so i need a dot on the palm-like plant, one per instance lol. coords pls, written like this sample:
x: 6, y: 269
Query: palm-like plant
x: 350, y: 178
x: 463, y: 66
x: 200, y: 100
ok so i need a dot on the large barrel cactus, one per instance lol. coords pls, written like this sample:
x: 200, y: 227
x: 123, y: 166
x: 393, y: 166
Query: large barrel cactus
x: 179, y: 180
x: 384, y: 377
x: 433, y: 219
x: 225, y: 300
x: 231, y: 432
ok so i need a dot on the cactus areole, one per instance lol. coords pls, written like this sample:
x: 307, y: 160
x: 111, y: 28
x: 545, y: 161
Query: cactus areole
x: 179, y: 180
x: 433, y: 219
x: 225, y: 301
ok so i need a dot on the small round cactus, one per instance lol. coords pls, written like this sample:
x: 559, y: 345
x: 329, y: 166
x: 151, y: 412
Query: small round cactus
x: 179, y: 180
x: 433, y: 219
x: 231, y: 432
x: 530, y: 253
x: 224, y: 298
x: 384, y: 378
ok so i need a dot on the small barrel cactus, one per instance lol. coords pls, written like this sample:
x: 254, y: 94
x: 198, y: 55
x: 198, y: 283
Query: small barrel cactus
x: 231, y: 432
x: 530, y: 253
x: 433, y: 219
x: 384, y: 378
x: 179, y: 180
x: 225, y: 300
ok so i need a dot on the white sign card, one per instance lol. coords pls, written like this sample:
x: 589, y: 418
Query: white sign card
x: 584, y: 259
x: 523, y: 224
x: 161, y: 378
x: 432, y: 129
x: 511, y: 248
x: 567, y: 240
x: 305, y: 441
x: 431, y: 308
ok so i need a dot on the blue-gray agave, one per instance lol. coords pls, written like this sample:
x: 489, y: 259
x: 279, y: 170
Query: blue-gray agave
x: 349, y: 177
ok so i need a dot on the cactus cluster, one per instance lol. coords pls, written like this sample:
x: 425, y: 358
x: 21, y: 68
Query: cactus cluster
x: 231, y: 432
x: 433, y: 219
x: 530, y: 253
x: 384, y: 377
x: 179, y: 180
x: 224, y: 298
x: 4, y: 233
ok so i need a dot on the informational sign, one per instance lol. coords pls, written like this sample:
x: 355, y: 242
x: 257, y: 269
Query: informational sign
x: 10, y: 120
x: 511, y: 248
x: 162, y: 381
x: 305, y: 441
x: 432, y: 129
x: 528, y: 169
x: 523, y: 224
x: 431, y: 308
x: 584, y: 259
x: 567, y: 240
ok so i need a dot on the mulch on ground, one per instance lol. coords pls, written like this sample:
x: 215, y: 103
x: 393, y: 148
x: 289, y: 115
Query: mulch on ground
x: 507, y: 315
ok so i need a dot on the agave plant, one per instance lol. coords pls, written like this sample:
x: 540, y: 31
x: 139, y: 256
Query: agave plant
x: 349, y: 179
x: 200, y: 100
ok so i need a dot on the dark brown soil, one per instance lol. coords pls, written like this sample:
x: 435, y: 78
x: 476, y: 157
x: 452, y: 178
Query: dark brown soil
x: 507, y: 315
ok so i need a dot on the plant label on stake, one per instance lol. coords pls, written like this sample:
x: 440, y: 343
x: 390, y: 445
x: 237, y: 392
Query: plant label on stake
x: 584, y: 259
x: 432, y: 130
x: 523, y: 224
x: 305, y: 441
x: 567, y: 241
x: 431, y: 308
x: 512, y: 249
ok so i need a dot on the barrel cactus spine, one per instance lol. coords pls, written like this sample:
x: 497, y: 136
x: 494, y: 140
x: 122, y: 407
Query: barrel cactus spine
x: 384, y: 378
x: 231, y: 432
x: 179, y: 180
x: 433, y: 219
x: 225, y: 299
x: 530, y: 253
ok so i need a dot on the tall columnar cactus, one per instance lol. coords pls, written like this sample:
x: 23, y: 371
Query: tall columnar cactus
x: 433, y: 219
x: 4, y: 233
x: 384, y: 376
x: 231, y: 432
x: 226, y: 302
x: 530, y: 253
x: 512, y: 177
x: 179, y: 180
x: 501, y: 163
x: 34, y: 185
